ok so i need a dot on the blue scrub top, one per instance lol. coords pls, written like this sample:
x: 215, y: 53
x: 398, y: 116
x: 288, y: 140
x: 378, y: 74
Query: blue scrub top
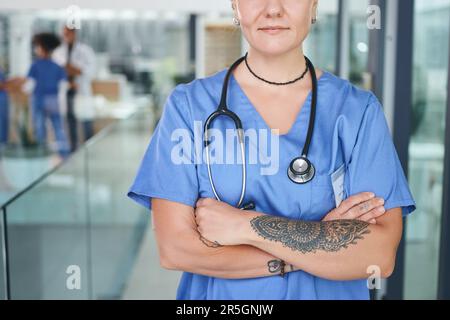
x: 47, y: 75
x: 3, y: 96
x: 351, y: 131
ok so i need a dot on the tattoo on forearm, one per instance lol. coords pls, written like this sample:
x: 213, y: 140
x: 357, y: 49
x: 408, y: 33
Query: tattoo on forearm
x: 210, y: 244
x: 308, y: 236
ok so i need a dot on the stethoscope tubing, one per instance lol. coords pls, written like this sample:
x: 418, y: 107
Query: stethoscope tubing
x: 223, y: 111
x: 244, y: 169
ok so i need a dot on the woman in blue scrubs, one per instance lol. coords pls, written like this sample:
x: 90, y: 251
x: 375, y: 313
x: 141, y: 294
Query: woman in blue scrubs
x: 4, y: 111
x: 46, y: 78
x: 318, y: 240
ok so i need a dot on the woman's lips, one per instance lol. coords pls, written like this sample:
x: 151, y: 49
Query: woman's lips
x: 273, y: 30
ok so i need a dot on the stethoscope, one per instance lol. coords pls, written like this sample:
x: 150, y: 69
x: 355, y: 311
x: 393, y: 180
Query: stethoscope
x: 300, y: 170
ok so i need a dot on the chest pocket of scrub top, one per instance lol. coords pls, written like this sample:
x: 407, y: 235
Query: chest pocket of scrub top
x: 322, y: 197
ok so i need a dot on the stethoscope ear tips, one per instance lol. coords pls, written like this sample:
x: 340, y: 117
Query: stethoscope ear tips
x: 301, y: 170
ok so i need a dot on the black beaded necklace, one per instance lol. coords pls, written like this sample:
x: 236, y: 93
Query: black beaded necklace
x: 276, y: 83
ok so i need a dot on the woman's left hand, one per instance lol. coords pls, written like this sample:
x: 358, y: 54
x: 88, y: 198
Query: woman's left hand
x: 219, y: 222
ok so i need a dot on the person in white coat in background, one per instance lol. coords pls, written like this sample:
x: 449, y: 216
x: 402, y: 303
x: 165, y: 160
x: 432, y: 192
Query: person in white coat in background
x: 79, y: 61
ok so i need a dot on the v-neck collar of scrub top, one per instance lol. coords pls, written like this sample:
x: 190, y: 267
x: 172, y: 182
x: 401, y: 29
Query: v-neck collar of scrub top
x: 303, y: 113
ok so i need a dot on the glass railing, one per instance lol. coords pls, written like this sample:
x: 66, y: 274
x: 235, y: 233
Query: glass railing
x: 71, y: 234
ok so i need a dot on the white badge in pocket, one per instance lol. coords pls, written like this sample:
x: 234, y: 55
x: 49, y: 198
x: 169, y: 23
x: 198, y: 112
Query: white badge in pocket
x: 337, y: 180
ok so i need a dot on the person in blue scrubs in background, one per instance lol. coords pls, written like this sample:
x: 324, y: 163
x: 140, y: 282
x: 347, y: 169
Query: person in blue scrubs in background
x: 4, y: 111
x: 319, y: 240
x: 45, y: 80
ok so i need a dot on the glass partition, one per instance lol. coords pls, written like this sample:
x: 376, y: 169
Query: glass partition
x: 117, y: 224
x: 74, y: 234
x: 48, y: 236
x: 3, y: 275
x: 426, y: 151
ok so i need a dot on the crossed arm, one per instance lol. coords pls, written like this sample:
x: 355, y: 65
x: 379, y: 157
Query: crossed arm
x: 182, y: 248
x: 215, y: 240
x: 335, y: 250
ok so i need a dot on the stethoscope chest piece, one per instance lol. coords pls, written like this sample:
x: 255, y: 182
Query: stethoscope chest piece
x: 301, y: 170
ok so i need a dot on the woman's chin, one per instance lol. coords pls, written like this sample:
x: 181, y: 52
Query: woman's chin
x: 274, y: 49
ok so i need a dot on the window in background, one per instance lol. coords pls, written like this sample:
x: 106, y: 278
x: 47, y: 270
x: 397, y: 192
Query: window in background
x: 320, y: 45
x: 359, y: 41
x: 148, y: 48
x: 426, y: 151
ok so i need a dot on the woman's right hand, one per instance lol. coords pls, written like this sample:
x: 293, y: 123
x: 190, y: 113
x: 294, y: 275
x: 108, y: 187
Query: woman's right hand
x: 363, y: 206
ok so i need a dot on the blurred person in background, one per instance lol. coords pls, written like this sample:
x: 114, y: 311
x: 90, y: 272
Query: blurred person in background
x: 4, y: 111
x: 79, y: 61
x: 45, y: 80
